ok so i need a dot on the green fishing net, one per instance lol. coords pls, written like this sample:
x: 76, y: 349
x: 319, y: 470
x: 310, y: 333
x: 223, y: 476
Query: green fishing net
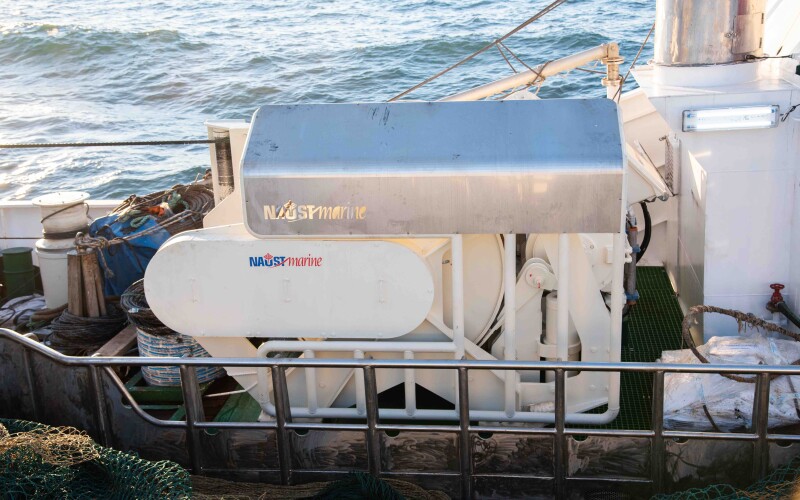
x: 39, y: 461
x: 781, y: 483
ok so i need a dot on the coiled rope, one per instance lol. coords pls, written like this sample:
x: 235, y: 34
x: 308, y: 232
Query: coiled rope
x: 78, y: 336
x: 134, y: 303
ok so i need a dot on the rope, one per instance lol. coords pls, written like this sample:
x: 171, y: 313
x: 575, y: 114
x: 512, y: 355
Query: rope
x: 740, y: 317
x: 618, y: 94
x: 187, y: 205
x: 505, y: 58
x: 179, y: 142
x: 78, y: 336
x: 134, y: 303
x: 530, y: 20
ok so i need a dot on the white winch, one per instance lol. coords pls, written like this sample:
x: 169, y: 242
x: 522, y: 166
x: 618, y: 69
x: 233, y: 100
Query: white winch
x: 374, y: 230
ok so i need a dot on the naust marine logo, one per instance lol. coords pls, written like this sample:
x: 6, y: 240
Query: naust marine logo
x: 269, y: 260
x: 292, y: 212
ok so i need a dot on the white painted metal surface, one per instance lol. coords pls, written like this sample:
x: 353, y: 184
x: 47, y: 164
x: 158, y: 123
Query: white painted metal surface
x: 734, y: 226
x: 287, y: 288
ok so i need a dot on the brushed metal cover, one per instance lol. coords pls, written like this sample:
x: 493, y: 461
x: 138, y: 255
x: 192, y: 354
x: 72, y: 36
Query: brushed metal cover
x: 434, y: 168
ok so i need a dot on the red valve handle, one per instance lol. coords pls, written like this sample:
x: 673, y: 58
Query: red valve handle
x: 776, y: 294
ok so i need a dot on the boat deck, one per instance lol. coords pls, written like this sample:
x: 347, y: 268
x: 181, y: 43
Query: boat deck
x: 653, y: 326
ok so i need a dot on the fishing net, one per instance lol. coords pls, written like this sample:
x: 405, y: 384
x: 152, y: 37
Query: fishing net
x: 354, y: 486
x: 781, y: 483
x: 39, y: 461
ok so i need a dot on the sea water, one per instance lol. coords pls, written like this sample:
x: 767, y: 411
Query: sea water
x: 90, y: 70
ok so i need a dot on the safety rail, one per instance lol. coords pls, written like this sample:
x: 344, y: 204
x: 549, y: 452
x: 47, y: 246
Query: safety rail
x: 283, y: 424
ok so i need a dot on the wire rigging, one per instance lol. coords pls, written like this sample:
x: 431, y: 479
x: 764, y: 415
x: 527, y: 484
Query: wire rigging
x: 618, y: 94
x: 480, y: 51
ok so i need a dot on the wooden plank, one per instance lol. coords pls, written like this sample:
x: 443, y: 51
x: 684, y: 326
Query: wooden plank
x: 74, y: 284
x: 120, y: 343
x: 89, y: 270
x: 98, y: 283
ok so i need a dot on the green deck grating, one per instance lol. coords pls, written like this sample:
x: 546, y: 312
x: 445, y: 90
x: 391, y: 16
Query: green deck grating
x: 653, y: 326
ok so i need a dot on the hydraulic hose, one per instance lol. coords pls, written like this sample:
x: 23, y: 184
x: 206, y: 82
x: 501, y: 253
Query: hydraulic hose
x: 648, y: 230
x: 783, y: 308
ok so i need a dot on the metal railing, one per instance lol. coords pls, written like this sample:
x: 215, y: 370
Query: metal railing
x: 372, y: 427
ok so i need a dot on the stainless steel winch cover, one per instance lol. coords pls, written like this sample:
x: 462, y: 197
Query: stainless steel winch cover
x: 541, y: 166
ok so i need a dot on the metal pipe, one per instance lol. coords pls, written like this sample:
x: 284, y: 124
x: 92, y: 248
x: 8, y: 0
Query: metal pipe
x: 760, y: 426
x: 465, y: 443
x: 410, y: 386
x: 560, y: 445
x: 510, y: 320
x: 657, y: 447
x: 617, y: 303
x: 100, y: 406
x: 449, y: 364
x: 282, y: 406
x: 34, y: 394
x: 352, y: 346
x: 194, y: 413
x: 457, y: 263
x: 540, y: 72
x: 361, y: 403
x: 562, y: 313
x: 311, y: 383
x: 373, y: 438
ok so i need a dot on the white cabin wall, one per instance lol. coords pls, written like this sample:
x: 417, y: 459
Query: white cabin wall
x: 737, y: 204
x: 643, y: 124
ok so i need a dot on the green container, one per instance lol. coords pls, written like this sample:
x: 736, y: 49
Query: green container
x: 18, y: 275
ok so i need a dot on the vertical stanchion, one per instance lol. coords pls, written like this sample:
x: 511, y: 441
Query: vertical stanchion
x: 194, y: 413
x: 657, y: 448
x: 510, y: 320
x: 465, y: 443
x: 283, y: 413
x: 26, y: 361
x: 373, y: 441
x: 761, y: 425
x: 410, y: 386
x: 560, y: 445
x: 100, y: 406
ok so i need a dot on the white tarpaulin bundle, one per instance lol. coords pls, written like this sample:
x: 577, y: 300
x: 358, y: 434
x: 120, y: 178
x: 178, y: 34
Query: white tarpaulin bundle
x: 693, y: 400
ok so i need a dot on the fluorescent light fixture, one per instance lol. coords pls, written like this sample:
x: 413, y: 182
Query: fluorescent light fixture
x: 748, y: 117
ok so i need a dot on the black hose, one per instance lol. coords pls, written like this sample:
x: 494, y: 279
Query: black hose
x: 790, y: 315
x: 648, y: 231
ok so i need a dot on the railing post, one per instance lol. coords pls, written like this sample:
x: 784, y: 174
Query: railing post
x: 100, y: 406
x: 761, y: 426
x: 373, y: 440
x: 657, y: 448
x: 560, y: 445
x: 465, y: 443
x: 26, y: 361
x: 193, y: 404
x: 283, y: 413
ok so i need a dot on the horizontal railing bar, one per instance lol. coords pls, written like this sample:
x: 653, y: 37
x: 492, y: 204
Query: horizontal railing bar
x: 710, y: 435
x: 783, y: 437
x: 264, y: 426
x: 544, y: 431
x: 443, y: 364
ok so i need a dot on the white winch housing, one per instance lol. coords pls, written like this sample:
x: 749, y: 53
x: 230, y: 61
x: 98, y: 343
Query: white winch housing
x: 374, y: 230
